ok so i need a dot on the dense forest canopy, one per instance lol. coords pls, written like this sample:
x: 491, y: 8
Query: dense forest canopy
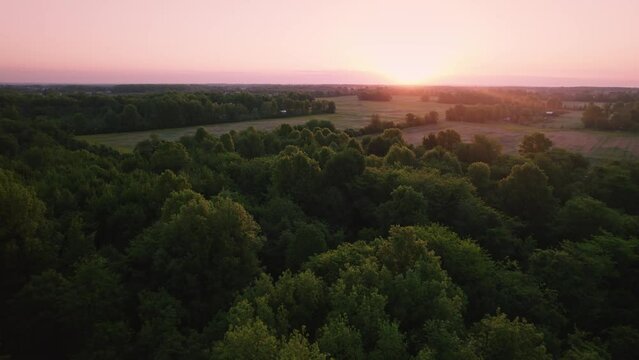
x: 84, y: 113
x: 307, y: 242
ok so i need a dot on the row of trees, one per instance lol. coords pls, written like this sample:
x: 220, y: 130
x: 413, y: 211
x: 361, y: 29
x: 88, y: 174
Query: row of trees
x: 374, y: 95
x: 87, y: 114
x: 500, y: 112
x: 467, y: 97
x: 617, y: 116
x: 305, y: 242
x: 534, y: 98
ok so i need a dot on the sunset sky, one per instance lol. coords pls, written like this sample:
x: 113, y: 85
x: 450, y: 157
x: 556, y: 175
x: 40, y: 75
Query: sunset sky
x: 489, y: 42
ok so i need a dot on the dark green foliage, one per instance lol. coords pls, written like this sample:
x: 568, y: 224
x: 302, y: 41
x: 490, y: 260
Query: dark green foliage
x: 379, y: 145
x: 497, y: 337
x: 588, y: 278
x: 400, y: 155
x: 307, y: 242
x: 616, y: 184
x: 169, y: 156
x: 344, y: 166
x: 340, y: 340
x: 525, y: 193
x: 479, y: 175
x: 378, y: 94
x: 99, y: 113
x: 296, y: 174
x: 583, y: 216
x: 534, y: 143
x: 201, y: 248
x: 565, y: 171
x: 405, y: 207
x: 617, y: 116
x: 482, y: 149
x: 448, y: 139
x: 442, y: 160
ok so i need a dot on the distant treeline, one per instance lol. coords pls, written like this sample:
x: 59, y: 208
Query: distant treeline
x: 374, y: 95
x: 98, y: 113
x: 123, y: 89
x: 497, y: 112
x: 618, y: 116
x: 627, y: 95
x: 467, y: 98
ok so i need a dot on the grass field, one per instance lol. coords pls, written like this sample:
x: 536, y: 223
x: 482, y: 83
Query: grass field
x: 566, y: 131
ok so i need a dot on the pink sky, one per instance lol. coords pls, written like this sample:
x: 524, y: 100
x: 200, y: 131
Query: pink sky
x: 489, y: 42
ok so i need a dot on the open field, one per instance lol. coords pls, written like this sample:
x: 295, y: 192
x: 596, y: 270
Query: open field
x: 351, y: 113
x: 566, y: 131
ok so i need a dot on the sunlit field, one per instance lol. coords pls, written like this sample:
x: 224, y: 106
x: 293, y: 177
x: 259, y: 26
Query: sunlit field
x: 565, y: 131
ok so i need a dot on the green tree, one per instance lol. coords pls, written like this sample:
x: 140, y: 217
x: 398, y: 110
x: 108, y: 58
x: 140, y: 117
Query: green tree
x: 344, y: 166
x: 583, y: 216
x: 390, y: 343
x: 594, y: 117
x: 251, y: 341
x: 497, y: 337
x: 248, y: 143
x: 481, y: 149
x: 170, y: 156
x: 400, y: 155
x: 130, y: 119
x: 430, y: 141
x: 525, y: 193
x: 442, y: 160
x: 296, y: 174
x: 297, y: 347
x: 479, y: 175
x: 308, y: 240
x: 227, y: 142
x: 448, y: 139
x: 339, y: 340
x: 534, y: 143
x: 160, y: 316
x: 405, y: 207
x: 201, y: 255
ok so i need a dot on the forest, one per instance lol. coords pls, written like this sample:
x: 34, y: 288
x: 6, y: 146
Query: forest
x: 308, y: 242
x: 83, y: 113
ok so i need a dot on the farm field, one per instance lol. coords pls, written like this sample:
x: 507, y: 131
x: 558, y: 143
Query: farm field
x: 351, y: 113
x: 566, y: 131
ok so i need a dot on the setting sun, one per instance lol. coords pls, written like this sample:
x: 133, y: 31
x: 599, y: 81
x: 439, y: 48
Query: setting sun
x: 410, y: 73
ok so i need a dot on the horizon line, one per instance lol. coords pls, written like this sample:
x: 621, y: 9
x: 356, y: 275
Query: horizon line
x: 636, y: 87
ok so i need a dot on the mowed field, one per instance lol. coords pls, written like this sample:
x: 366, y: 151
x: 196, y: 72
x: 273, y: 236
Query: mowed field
x: 565, y: 131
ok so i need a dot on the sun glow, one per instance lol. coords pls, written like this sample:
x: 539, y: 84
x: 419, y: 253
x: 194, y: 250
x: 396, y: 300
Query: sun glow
x: 406, y: 75
x: 410, y: 72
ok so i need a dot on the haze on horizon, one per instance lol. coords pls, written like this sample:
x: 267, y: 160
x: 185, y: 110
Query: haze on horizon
x: 458, y: 42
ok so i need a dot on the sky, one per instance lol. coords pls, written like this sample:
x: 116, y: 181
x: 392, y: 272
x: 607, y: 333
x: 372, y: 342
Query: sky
x: 456, y: 42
